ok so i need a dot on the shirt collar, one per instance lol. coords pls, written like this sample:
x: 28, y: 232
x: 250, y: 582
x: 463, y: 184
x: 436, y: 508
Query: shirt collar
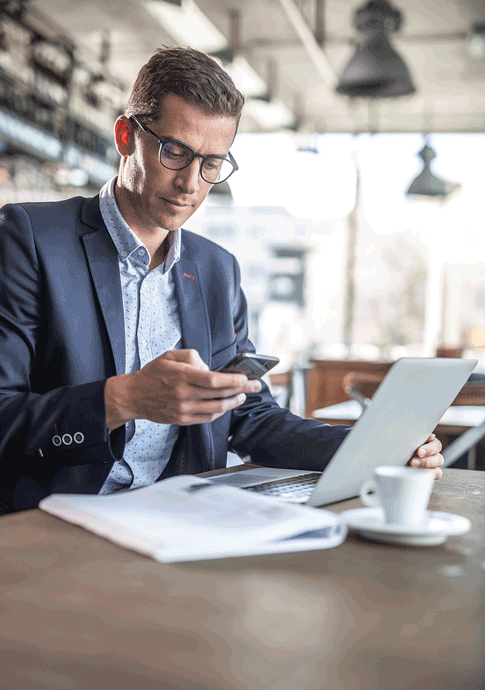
x: 127, y: 244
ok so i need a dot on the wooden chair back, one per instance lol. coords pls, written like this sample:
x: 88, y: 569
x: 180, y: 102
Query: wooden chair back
x: 362, y: 386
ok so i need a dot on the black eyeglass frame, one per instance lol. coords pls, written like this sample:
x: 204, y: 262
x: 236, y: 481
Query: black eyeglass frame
x: 230, y: 158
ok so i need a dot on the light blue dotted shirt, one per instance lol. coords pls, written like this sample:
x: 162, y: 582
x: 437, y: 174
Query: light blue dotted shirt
x: 152, y: 327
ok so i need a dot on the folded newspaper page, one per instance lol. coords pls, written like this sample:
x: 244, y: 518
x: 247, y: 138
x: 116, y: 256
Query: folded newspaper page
x: 188, y: 518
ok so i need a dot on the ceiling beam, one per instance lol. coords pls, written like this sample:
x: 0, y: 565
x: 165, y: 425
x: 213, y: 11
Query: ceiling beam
x: 273, y: 44
x: 310, y: 44
x: 320, y: 22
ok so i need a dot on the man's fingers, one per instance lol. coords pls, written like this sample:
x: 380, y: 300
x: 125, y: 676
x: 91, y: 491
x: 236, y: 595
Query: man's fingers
x: 200, y: 393
x: 177, y: 388
x: 428, y: 462
x: 217, y: 381
x: 211, y: 383
x: 193, y: 371
x: 197, y: 373
x: 219, y: 406
x: 428, y: 455
x: 432, y: 461
x: 430, y: 448
x: 191, y: 357
x: 209, y: 410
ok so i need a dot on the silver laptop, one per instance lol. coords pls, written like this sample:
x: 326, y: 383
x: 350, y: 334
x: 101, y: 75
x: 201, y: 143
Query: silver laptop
x: 403, y: 412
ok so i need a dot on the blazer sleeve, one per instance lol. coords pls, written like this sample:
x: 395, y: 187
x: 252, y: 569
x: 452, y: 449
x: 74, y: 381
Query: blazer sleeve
x: 271, y: 435
x: 30, y: 419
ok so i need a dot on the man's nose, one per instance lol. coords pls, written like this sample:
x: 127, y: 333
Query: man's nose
x: 188, y: 179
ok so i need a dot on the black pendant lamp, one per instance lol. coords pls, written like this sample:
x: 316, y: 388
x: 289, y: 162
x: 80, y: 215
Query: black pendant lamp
x: 427, y: 184
x: 376, y: 70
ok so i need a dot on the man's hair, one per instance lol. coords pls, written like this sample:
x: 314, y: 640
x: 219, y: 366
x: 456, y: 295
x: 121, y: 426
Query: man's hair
x: 186, y: 73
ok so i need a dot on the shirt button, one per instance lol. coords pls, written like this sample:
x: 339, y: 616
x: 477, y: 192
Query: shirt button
x: 56, y: 440
x: 141, y: 252
x: 123, y: 253
x: 67, y: 439
x: 78, y: 437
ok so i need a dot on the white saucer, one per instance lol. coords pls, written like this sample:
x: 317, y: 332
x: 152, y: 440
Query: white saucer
x: 370, y: 522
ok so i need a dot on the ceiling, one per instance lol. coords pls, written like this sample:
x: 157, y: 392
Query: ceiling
x: 450, y: 83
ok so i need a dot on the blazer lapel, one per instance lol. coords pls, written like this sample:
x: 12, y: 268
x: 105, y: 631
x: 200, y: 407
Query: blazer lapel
x: 192, y: 305
x: 103, y: 265
x: 198, y: 452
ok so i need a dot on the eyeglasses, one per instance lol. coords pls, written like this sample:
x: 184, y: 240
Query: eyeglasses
x: 175, y: 155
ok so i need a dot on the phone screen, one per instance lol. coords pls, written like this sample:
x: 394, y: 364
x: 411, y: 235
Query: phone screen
x: 251, y: 364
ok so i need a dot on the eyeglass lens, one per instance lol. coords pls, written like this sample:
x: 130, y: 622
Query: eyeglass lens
x: 176, y: 156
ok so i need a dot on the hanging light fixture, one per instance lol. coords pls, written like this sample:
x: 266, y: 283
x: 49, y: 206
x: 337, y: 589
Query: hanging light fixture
x: 427, y: 184
x: 376, y: 70
x: 476, y: 40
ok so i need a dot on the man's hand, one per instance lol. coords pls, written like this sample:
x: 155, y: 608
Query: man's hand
x: 429, y: 456
x: 175, y: 388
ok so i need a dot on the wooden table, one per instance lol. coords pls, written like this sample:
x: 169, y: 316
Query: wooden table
x: 77, y: 612
x: 455, y: 420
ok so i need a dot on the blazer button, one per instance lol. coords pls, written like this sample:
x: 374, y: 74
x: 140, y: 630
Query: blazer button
x: 67, y: 439
x: 78, y: 437
x: 56, y: 440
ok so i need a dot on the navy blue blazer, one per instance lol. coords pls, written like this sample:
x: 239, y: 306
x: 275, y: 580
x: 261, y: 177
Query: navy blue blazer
x: 62, y: 336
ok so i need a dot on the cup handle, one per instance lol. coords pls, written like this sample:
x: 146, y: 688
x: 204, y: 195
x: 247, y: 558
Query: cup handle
x: 366, y: 498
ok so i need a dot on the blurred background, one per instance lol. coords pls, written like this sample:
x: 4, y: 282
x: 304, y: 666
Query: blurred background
x: 357, y: 211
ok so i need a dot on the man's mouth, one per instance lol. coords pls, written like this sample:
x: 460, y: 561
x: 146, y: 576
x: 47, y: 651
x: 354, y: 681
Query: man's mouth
x: 178, y: 204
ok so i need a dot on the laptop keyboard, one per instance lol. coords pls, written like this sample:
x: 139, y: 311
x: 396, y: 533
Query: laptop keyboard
x: 299, y: 486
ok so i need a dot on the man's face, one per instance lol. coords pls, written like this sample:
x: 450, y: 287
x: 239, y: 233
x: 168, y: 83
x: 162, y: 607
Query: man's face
x: 154, y: 197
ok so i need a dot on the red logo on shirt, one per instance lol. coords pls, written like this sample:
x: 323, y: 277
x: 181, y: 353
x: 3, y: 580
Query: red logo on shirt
x: 187, y: 276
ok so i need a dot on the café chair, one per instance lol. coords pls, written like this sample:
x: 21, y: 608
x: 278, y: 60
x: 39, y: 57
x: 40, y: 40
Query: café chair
x: 289, y: 388
x: 361, y: 386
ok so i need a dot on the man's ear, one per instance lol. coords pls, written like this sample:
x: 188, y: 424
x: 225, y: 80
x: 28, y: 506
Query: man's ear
x: 124, y: 136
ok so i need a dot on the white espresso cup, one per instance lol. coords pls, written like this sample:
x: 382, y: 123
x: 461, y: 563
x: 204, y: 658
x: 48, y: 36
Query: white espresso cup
x: 403, y: 493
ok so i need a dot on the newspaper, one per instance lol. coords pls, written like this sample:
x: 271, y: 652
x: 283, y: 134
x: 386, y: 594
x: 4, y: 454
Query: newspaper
x: 188, y: 518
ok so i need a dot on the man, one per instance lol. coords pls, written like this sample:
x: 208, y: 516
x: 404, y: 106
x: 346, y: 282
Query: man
x: 112, y: 318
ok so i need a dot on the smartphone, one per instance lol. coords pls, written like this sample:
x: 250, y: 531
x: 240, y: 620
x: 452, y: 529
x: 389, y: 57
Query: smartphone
x: 249, y: 363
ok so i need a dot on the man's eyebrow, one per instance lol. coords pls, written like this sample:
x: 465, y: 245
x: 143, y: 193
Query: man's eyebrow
x: 179, y: 141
